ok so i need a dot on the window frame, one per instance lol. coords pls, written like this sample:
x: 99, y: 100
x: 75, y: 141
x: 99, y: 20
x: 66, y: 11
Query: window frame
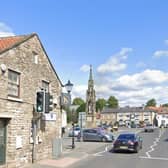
x: 16, y: 84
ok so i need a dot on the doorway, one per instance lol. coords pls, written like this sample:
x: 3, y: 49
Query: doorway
x: 2, y: 141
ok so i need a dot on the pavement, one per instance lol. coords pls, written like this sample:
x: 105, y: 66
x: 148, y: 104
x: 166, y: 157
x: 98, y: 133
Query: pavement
x: 71, y: 156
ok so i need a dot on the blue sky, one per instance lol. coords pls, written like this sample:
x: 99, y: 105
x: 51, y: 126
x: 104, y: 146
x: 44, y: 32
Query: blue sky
x: 126, y: 41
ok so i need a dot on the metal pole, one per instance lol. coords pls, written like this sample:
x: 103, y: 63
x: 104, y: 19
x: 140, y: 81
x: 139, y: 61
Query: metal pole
x: 34, y: 142
x: 73, y: 142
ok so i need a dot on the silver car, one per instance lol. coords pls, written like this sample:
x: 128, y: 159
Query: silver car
x: 149, y: 128
x: 74, y: 133
x: 97, y: 134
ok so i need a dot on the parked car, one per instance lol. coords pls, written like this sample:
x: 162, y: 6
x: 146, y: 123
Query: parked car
x: 149, y: 128
x: 97, y: 134
x: 115, y: 127
x: 128, y: 142
x: 77, y: 130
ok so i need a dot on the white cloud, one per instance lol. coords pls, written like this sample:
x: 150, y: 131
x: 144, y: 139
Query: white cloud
x: 147, y: 77
x: 5, y: 30
x: 161, y: 53
x: 132, y: 90
x: 114, y: 64
x: 85, y: 68
x: 79, y: 91
x: 136, y: 89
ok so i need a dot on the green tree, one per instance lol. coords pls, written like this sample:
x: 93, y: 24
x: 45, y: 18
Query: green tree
x: 100, y: 103
x: 81, y: 108
x: 151, y: 102
x: 78, y: 101
x: 112, y: 102
x: 165, y: 105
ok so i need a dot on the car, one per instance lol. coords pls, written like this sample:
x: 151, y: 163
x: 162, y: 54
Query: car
x: 76, y: 131
x: 149, y: 128
x: 97, y: 134
x: 115, y: 128
x: 128, y: 142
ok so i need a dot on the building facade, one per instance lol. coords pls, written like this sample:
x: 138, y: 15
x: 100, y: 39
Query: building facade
x: 127, y: 115
x: 161, y: 115
x: 25, y: 134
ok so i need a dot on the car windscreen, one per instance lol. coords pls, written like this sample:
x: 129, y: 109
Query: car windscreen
x: 77, y: 129
x: 149, y: 125
x: 126, y: 136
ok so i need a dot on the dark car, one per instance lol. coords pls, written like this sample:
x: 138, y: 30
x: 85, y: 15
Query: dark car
x: 97, y: 134
x: 128, y: 142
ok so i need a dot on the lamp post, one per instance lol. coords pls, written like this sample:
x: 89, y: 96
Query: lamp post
x: 68, y: 87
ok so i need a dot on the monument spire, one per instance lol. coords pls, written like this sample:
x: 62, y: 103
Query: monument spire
x: 90, y: 102
x: 90, y: 75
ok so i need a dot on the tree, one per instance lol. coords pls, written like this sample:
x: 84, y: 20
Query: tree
x: 78, y: 101
x: 151, y: 102
x: 100, y: 103
x: 165, y: 105
x: 112, y: 102
x: 81, y: 108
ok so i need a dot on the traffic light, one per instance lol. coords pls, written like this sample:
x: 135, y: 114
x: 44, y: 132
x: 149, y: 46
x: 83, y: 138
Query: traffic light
x: 48, y: 102
x: 40, y: 101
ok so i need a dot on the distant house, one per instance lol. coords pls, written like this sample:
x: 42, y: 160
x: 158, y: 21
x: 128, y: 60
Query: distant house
x: 127, y: 115
x: 161, y: 115
x: 25, y: 69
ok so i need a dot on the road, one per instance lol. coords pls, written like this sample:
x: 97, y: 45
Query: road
x: 154, y: 154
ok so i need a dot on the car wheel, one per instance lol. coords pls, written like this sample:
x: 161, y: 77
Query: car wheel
x: 136, y: 149
x: 104, y: 139
x: 141, y: 146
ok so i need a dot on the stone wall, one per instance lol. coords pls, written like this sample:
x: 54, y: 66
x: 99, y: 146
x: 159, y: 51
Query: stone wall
x: 22, y: 59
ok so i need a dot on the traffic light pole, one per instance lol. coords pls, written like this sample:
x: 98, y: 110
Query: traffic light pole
x: 73, y: 138
x: 73, y: 131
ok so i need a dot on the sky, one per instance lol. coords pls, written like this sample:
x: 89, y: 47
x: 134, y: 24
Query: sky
x: 125, y: 41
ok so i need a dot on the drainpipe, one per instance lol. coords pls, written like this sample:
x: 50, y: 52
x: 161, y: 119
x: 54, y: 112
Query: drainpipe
x: 34, y: 142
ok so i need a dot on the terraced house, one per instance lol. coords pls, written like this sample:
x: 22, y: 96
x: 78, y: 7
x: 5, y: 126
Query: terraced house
x: 126, y: 115
x: 27, y: 131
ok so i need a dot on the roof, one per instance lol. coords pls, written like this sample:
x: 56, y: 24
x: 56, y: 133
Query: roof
x: 159, y: 110
x: 7, y: 43
x: 125, y: 110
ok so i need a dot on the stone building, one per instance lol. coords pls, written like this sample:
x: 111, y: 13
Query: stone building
x: 127, y: 115
x: 90, y: 102
x: 25, y: 134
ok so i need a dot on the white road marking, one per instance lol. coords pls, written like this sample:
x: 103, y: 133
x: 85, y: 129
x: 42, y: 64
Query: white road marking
x: 155, y: 143
x: 101, y: 152
x: 154, y: 158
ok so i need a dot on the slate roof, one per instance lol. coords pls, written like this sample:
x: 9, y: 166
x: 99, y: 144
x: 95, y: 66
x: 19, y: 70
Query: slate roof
x: 125, y: 110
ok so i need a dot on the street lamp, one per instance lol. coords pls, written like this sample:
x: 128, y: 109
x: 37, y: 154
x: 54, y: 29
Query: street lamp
x: 68, y: 87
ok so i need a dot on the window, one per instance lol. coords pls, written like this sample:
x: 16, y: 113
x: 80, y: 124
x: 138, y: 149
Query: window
x: 35, y: 57
x: 13, y: 83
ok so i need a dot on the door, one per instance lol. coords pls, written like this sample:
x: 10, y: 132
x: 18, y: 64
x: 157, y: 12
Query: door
x: 2, y: 141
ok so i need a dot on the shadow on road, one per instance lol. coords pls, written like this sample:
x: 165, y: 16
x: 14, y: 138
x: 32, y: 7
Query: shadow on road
x: 121, y: 152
